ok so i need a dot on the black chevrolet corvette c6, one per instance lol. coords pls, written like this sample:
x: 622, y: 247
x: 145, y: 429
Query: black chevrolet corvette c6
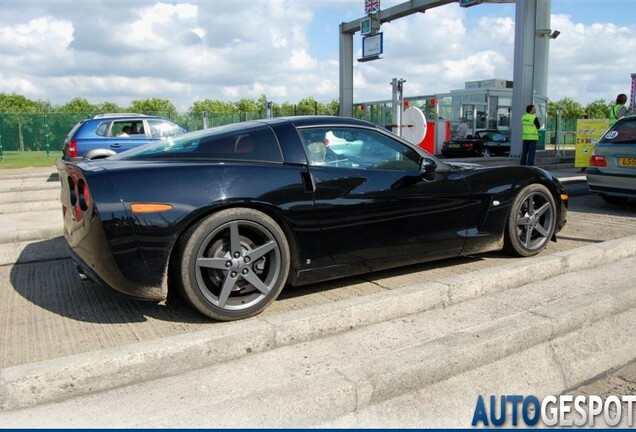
x: 229, y: 215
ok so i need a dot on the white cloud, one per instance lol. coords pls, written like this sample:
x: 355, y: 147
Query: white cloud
x: 285, y: 49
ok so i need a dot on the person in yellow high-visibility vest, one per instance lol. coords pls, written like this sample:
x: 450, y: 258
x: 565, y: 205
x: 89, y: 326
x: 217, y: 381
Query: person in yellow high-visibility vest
x: 618, y: 110
x: 530, y: 134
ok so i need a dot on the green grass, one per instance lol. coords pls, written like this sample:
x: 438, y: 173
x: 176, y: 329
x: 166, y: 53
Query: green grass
x: 35, y: 159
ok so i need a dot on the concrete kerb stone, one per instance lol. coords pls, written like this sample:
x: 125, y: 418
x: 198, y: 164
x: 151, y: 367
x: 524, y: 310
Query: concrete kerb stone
x: 553, y: 367
x: 29, y: 173
x: 57, y: 379
x: 50, y: 380
x: 29, y: 235
x: 394, y: 374
x: 325, y: 320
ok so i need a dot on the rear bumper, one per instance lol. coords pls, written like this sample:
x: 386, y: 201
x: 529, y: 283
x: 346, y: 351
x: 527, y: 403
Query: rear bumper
x: 112, y: 260
x: 611, y: 184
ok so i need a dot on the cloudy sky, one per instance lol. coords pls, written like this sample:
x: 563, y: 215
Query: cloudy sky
x: 121, y: 50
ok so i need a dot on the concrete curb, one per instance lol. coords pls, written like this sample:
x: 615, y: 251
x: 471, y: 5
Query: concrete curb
x: 58, y: 379
x: 550, y: 368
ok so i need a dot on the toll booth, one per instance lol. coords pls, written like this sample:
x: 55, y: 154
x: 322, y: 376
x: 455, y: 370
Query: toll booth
x: 436, y: 108
x: 485, y: 104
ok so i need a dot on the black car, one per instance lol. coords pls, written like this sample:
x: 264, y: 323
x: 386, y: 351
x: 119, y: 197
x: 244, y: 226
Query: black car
x: 228, y: 216
x: 484, y: 143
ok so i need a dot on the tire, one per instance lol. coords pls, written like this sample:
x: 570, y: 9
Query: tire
x: 610, y: 199
x: 485, y: 152
x: 531, y: 222
x: 232, y: 264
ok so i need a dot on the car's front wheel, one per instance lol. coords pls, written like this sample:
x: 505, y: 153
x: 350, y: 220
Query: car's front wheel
x: 232, y: 264
x: 485, y: 152
x: 531, y: 222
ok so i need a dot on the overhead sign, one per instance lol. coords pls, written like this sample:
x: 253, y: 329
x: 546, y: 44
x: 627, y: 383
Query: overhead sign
x: 372, y: 46
x: 365, y: 26
x: 371, y: 6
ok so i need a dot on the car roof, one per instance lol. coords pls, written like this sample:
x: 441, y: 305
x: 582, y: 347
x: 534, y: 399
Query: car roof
x: 317, y: 120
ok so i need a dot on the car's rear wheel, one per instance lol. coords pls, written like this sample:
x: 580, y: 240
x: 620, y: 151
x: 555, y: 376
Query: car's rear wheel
x: 233, y: 264
x: 485, y: 152
x: 531, y: 222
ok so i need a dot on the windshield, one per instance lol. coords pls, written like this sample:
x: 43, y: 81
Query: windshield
x: 624, y: 131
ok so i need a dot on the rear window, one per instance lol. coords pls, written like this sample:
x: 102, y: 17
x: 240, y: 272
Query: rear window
x: 623, y: 132
x: 232, y: 142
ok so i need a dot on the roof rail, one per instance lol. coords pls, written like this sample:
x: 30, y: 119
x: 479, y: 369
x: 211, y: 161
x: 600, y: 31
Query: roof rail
x: 105, y: 115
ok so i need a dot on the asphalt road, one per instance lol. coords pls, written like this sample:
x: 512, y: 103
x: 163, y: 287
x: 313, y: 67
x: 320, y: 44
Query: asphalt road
x: 46, y: 312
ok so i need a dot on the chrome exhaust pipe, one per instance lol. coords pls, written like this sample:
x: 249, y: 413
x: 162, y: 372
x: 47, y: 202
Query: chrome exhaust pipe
x: 81, y: 273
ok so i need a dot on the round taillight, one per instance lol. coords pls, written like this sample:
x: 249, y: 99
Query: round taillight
x: 83, y: 195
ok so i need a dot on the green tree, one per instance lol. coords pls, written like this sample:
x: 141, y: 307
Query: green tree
x: 598, y: 109
x: 110, y: 107
x: 285, y: 109
x: 78, y: 105
x: 20, y: 110
x: 332, y: 107
x: 248, y: 106
x: 568, y: 109
x: 309, y: 106
x: 154, y: 106
x: 212, y: 107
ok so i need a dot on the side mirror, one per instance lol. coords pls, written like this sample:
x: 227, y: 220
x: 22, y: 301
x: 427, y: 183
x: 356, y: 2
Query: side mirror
x: 428, y: 168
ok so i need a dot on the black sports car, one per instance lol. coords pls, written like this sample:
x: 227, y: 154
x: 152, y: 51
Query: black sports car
x: 485, y: 143
x: 229, y: 215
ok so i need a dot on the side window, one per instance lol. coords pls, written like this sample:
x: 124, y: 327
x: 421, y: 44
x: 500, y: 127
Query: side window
x: 137, y: 128
x: 102, y: 129
x: 357, y: 148
x: 498, y: 137
x: 163, y: 129
x: 254, y: 144
x: 122, y: 129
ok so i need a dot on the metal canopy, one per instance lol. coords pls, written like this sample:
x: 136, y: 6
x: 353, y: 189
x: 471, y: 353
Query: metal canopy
x: 532, y: 18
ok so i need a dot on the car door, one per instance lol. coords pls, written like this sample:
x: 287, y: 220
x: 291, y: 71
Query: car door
x: 120, y: 139
x: 373, y: 204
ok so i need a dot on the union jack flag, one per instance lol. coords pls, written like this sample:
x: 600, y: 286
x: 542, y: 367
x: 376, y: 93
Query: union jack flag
x: 371, y: 6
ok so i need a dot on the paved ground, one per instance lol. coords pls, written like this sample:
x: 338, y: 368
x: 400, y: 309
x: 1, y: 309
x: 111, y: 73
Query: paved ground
x: 44, y: 304
x: 420, y: 369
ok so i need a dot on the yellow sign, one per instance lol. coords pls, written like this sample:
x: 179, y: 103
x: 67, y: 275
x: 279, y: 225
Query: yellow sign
x: 588, y: 133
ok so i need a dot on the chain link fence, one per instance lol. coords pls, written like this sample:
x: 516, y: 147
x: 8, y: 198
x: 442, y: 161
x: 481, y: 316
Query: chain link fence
x: 40, y: 132
x: 46, y: 132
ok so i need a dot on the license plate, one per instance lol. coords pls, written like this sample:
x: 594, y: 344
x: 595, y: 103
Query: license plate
x: 454, y: 145
x: 627, y: 162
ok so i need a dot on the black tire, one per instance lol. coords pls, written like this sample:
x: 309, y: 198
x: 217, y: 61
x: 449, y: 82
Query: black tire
x: 232, y: 264
x: 610, y: 199
x: 531, y: 222
x: 485, y: 152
